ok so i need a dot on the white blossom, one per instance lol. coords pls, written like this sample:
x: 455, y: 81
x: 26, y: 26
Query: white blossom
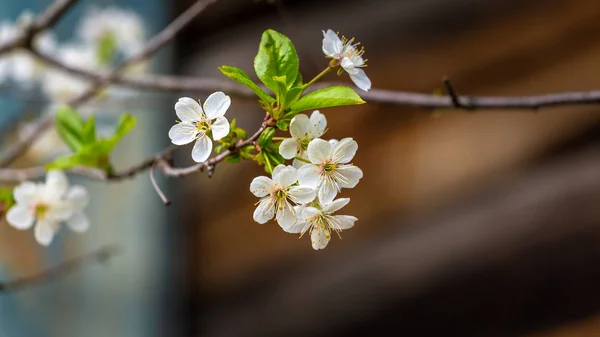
x: 46, y: 206
x: 122, y: 27
x: 303, y: 130
x: 320, y: 222
x: 349, y: 55
x: 60, y: 86
x: 276, y: 195
x: 197, y: 123
x: 330, y: 171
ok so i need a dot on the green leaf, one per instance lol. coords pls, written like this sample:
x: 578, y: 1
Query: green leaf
x: 241, y: 77
x: 328, y: 97
x: 265, y: 137
x: 276, y: 57
x: 283, y: 124
x: 69, y: 126
x: 233, y: 158
x: 107, y: 48
x: 88, y: 132
x: 6, y: 199
x: 126, y: 124
x: 66, y: 162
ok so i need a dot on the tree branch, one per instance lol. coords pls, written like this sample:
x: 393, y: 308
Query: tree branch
x: 62, y: 270
x: 166, y: 35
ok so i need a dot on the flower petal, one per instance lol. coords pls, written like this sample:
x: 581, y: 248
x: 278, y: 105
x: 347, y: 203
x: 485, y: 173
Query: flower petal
x: 289, y: 148
x: 351, y: 174
x: 183, y: 133
x: 345, y: 221
x: 332, y: 44
x: 308, y: 175
x: 308, y: 213
x: 220, y: 128
x: 44, y: 232
x: 188, y: 110
x: 298, y: 163
x: 20, y: 217
x: 335, y: 205
x: 302, y: 194
x: 216, y: 105
x: 285, y: 176
x: 344, y: 150
x: 265, y: 210
x: 349, y: 66
x: 56, y: 182
x: 25, y: 192
x: 318, y: 151
x: 286, y: 216
x: 78, y: 222
x: 261, y: 186
x: 298, y: 227
x: 361, y: 80
x: 327, y: 193
x: 202, y: 149
x: 299, y: 126
x: 320, y: 238
x: 318, y: 124
x: 78, y: 197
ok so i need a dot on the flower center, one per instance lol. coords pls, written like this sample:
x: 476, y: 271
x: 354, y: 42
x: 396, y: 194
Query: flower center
x: 203, y: 126
x: 353, y: 51
x: 304, y: 143
x: 328, y: 167
x: 41, y: 210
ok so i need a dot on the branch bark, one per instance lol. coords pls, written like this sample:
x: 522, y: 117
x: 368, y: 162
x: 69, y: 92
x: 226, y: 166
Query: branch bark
x: 60, y: 271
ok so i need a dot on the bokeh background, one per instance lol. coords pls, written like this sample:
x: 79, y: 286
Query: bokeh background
x: 470, y: 223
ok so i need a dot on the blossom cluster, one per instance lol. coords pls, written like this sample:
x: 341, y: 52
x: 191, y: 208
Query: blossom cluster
x: 301, y: 197
x: 105, y: 36
x: 321, y: 169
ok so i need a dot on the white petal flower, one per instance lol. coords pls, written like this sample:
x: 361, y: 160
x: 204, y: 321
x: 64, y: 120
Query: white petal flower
x: 330, y: 171
x: 276, y: 194
x: 320, y: 223
x: 302, y: 130
x: 198, y: 123
x: 123, y: 28
x: 47, y: 206
x: 60, y: 86
x: 348, y: 55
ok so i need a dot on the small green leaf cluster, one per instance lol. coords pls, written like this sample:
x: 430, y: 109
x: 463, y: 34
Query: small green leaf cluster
x: 88, y: 148
x: 235, y: 136
x: 277, y: 66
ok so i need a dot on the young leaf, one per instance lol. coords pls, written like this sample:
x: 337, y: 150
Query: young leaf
x: 265, y: 137
x: 88, y: 132
x: 69, y: 126
x: 276, y: 57
x: 241, y: 77
x: 126, y: 123
x: 6, y: 199
x: 328, y: 97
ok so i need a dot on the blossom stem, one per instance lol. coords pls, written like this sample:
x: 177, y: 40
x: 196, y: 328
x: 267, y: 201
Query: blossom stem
x: 318, y: 77
x: 302, y: 159
x: 279, y: 138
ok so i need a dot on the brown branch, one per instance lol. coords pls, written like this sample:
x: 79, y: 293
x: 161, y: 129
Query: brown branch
x: 166, y: 35
x: 381, y: 96
x: 44, y: 21
x: 60, y: 271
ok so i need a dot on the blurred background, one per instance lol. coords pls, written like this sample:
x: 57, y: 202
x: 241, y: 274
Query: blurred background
x: 483, y: 223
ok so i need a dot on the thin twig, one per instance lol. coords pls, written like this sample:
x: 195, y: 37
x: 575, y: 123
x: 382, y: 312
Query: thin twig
x: 456, y: 101
x: 60, y: 271
x: 157, y: 188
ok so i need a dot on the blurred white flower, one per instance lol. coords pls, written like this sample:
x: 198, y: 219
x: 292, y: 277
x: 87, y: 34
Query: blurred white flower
x: 330, y: 171
x: 48, y: 205
x: 20, y: 65
x: 113, y: 27
x: 321, y: 222
x: 303, y: 130
x: 197, y: 123
x: 59, y: 86
x: 276, y: 195
x: 349, y: 56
